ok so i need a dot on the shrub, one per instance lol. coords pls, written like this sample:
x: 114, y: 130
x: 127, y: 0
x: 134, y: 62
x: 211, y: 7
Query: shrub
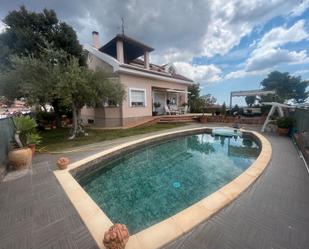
x: 33, y: 138
x: 285, y: 122
x: 24, y: 126
x: 45, y: 116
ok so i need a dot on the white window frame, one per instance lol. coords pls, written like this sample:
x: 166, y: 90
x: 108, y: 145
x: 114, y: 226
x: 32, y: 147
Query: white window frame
x: 137, y: 89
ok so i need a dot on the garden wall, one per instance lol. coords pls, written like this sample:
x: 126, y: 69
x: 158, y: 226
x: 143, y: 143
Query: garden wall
x: 230, y: 119
x: 6, y: 136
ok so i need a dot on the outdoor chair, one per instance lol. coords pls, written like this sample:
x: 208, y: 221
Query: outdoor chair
x: 170, y: 110
x: 183, y: 110
x: 167, y: 110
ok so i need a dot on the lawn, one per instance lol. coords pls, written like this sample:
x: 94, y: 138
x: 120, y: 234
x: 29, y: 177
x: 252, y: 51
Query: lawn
x: 56, y: 140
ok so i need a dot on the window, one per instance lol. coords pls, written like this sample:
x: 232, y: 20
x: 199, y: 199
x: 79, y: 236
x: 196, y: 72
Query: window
x: 137, y: 97
x: 110, y: 103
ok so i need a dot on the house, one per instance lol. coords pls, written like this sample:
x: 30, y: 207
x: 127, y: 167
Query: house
x: 145, y: 83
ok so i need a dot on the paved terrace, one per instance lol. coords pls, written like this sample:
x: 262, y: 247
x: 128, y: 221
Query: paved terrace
x: 273, y: 213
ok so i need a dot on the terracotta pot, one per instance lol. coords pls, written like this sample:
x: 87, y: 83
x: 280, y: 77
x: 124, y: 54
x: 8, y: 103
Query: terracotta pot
x: 203, y: 119
x: 63, y: 162
x: 32, y: 147
x: 116, y: 237
x: 20, y: 158
x: 283, y: 131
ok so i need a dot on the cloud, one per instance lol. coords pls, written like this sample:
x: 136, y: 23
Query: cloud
x: 233, y: 20
x: 280, y: 36
x: 265, y: 62
x: 182, y: 30
x: 2, y: 27
x: 273, y: 57
x: 242, y: 73
x: 302, y: 71
x: 179, y: 30
x: 268, y: 54
x: 300, y: 8
x: 199, y: 73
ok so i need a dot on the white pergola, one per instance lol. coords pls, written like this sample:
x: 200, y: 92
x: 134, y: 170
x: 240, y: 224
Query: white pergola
x: 249, y: 93
x: 274, y: 106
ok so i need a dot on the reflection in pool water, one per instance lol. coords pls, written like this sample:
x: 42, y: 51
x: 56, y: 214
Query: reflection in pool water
x: 151, y: 184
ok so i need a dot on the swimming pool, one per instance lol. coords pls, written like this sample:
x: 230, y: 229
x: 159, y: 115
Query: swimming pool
x: 151, y: 184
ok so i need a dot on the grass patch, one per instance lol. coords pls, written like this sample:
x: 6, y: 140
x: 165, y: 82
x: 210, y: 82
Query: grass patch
x: 56, y: 140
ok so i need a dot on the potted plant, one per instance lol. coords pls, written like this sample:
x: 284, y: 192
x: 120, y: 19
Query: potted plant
x: 63, y: 162
x: 184, y: 104
x: 33, y: 139
x: 284, y: 125
x: 20, y: 156
x: 156, y: 105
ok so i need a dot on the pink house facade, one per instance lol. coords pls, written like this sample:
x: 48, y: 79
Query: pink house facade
x: 145, y: 83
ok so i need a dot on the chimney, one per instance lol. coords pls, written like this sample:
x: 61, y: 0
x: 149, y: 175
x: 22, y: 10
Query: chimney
x: 95, y: 39
x: 146, y: 59
x: 119, y: 48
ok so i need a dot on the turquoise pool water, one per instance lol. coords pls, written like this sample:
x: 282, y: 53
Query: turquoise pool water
x: 151, y: 184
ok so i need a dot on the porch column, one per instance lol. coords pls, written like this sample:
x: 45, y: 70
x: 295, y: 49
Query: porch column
x: 186, y: 97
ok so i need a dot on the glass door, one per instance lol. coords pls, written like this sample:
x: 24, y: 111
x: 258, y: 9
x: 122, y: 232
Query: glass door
x: 159, y: 97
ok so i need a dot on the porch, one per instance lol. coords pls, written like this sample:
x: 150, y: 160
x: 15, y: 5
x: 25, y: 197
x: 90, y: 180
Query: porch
x: 166, y: 101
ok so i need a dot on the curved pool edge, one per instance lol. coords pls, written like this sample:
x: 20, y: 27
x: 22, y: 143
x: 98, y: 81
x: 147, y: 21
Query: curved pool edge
x: 171, y: 228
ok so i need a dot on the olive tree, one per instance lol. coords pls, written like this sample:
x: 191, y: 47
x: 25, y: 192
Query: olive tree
x: 80, y: 86
x: 56, y: 75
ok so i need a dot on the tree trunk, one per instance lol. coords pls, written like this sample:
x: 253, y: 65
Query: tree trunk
x: 78, y: 114
x: 44, y: 107
x: 77, y: 122
x: 55, y: 105
x: 17, y: 139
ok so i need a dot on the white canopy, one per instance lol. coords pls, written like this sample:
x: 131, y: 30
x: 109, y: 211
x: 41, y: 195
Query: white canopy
x: 252, y: 93
x: 249, y: 93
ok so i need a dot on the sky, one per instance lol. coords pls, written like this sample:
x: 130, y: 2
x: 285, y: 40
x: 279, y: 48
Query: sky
x: 225, y: 45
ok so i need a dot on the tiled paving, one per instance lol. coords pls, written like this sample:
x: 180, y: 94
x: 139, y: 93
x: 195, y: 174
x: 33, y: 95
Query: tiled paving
x: 35, y: 213
x: 273, y: 213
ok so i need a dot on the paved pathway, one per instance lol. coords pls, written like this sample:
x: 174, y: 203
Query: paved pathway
x: 35, y: 212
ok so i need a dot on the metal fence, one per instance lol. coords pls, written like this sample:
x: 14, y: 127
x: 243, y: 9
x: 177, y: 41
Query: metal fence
x: 6, y: 136
x: 301, y: 117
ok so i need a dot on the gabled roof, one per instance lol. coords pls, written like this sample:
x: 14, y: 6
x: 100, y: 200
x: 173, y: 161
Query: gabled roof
x: 153, y: 68
x: 164, y: 74
x: 136, y: 67
x: 131, y: 47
